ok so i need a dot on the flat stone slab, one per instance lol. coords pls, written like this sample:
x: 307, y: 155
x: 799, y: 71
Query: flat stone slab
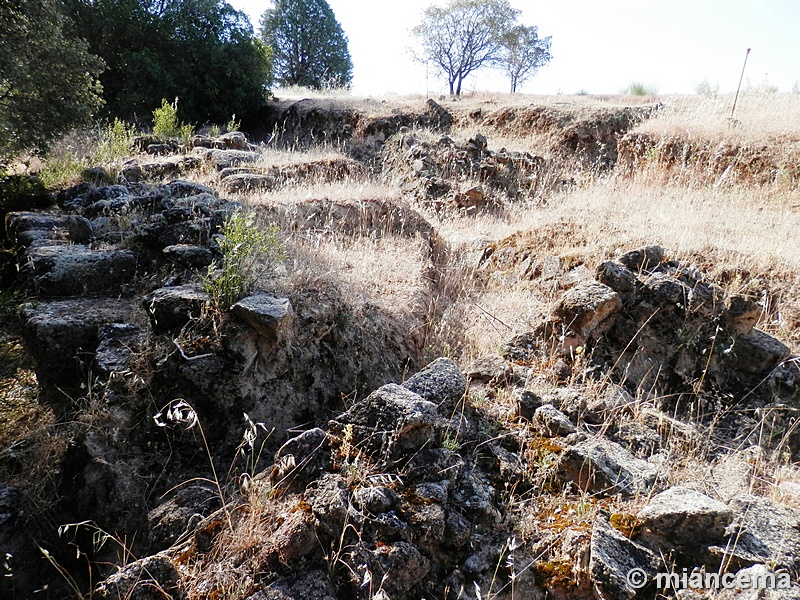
x: 72, y: 270
x: 62, y: 335
x: 266, y: 313
x: 170, y: 308
x: 600, y: 465
x: 223, y: 159
x: 684, y: 515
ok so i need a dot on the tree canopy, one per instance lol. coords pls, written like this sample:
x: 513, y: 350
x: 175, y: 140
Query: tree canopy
x: 48, y: 82
x: 202, y: 51
x: 309, y: 47
x: 466, y: 35
x: 523, y: 53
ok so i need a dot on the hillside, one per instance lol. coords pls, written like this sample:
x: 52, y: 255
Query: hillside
x: 498, y: 347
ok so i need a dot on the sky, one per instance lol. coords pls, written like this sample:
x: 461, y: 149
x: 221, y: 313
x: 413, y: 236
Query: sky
x: 598, y: 46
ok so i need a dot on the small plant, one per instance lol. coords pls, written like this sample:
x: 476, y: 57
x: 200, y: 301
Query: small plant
x: 637, y: 88
x: 62, y: 170
x: 166, y: 125
x: 215, y: 131
x: 248, y: 253
x: 707, y: 89
x: 233, y: 124
x: 115, y: 141
x: 181, y: 413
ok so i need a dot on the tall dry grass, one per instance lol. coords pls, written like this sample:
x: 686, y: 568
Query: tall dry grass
x: 759, y: 117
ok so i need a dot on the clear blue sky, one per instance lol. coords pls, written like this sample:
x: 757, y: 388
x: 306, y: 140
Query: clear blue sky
x: 598, y: 46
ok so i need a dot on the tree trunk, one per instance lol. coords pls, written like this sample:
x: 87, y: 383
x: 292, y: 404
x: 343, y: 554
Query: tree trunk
x: 458, y: 87
x: 451, y: 86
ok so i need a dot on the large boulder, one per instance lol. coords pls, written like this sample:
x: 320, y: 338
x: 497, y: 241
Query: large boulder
x: 684, y: 516
x: 65, y: 270
x: 392, y: 421
x: 600, y: 465
x: 170, y: 308
x: 441, y: 382
x: 62, y: 335
x: 585, y: 307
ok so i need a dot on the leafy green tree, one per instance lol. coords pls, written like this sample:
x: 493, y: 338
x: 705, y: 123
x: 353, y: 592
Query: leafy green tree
x: 524, y: 52
x: 203, y: 51
x: 463, y: 36
x: 308, y: 44
x: 48, y: 83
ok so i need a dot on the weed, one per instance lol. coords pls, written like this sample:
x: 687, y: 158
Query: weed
x: 165, y: 122
x: 637, y: 88
x: 248, y: 253
x: 115, y: 141
x: 233, y: 124
x: 62, y: 170
x: 182, y: 413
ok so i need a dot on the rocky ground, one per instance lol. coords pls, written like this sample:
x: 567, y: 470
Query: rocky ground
x: 644, y: 420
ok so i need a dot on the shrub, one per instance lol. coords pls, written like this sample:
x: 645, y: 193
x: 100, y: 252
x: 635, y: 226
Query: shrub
x: 233, y: 124
x: 115, y: 141
x: 166, y: 125
x: 248, y: 253
x: 707, y: 89
x: 637, y: 88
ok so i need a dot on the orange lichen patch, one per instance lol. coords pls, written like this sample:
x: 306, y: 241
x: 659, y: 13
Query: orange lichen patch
x: 627, y: 524
x: 557, y: 514
x: 555, y: 574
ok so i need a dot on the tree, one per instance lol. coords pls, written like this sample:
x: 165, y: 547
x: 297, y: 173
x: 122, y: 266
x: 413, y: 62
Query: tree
x: 48, y: 83
x: 203, y: 51
x: 463, y: 36
x: 523, y: 53
x: 308, y: 45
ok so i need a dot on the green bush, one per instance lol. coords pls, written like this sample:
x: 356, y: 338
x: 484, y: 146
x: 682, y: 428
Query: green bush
x: 115, y: 141
x: 637, y: 88
x: 166, y: 125
x: 248, y: 253
x: 21, y: 192
x: 233, y: 124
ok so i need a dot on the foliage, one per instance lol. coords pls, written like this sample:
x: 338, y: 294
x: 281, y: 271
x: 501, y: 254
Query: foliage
x: 204, y: 51
x: 707, y: 89
x: 233, y: 124
x: 48, y: 83
x: 523, y: 53
x: 309, y: 47
x: 62, y: 169
x: 248, y: 253
x: 166, y: 124
x: 21, y: 192
x: 637, y: 88
x: 115, y: 141
x: 463, y: 36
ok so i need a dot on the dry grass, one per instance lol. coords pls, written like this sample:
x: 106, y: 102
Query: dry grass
x: 725, y: 232
x: 389, y: 272
x: 760, y: 117
x: 341, y: 191
x: 273, y: 157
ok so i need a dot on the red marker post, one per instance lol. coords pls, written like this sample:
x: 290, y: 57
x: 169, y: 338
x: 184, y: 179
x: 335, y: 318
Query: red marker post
x: 740, y: 84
